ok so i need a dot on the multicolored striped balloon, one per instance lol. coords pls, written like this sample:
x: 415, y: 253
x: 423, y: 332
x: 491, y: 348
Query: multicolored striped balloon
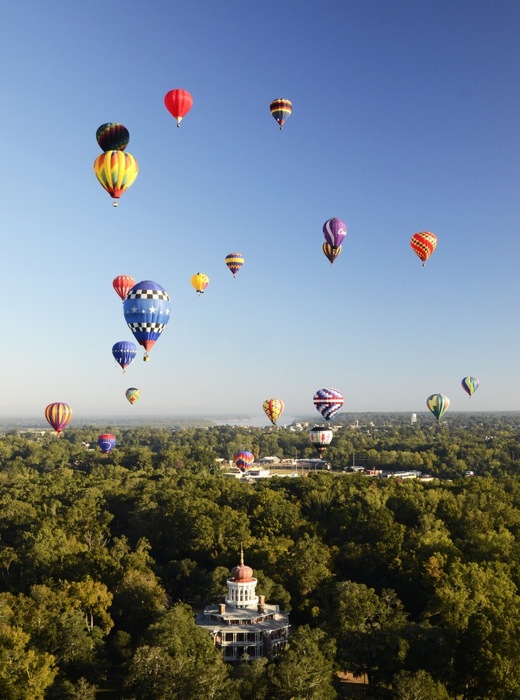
x: 234, y: 261
x: 112, y: 137
x: 423, y: 244
x: 116, y: 172
x: 58, y: 415
x: 281, y: 110
x: 328, y: 402
x: 330, y: 252
x: 243, y: 460
x: 438, y: 404
x: 470, y: 385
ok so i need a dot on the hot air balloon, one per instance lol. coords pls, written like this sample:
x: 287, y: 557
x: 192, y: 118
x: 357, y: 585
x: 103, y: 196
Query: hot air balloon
x: 234, y: 261
x: 281, y: 110
x: 132, y: 394
x: 470, y: 385
x: 273, y: 409
x: 243, y: 460
x: 178, y: 103
x: 124, y: 353
x: 330, y: 252
x: 423, y: 244
x: 106, y: 442
x: 112, y: 137
x: 116, y: 171
x: 335, y: 231
x: 328, y: 402
x: 58, y: 415
x: 122, y: 284
x: 438, y: 404
x: 147, y: 311
x: 200, y: 281
x: 320, y: 438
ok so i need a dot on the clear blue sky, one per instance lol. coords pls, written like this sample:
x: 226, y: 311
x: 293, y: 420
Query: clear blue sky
x: 405, y: 118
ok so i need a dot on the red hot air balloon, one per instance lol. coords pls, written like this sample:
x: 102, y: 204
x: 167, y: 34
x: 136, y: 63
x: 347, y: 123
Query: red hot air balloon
x: 122, y: 284
x: 423, y: 244
x: 58, y: 415
x: 178, y: 103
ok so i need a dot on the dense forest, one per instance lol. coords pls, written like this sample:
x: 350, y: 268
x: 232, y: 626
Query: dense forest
x: 410, y: 585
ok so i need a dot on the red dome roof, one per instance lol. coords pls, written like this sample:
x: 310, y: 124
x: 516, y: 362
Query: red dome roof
x: 242, y: 573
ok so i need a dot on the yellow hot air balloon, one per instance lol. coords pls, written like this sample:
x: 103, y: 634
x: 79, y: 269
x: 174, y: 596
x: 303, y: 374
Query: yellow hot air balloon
x: 116, y: 171
x: 273, y: 409
x: 200, y: 281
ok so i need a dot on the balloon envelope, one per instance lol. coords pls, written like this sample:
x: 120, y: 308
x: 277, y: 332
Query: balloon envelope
x: 470, y: 385
x: 234, y: 261
x: 438, y: 404
x: 122, y: 284
x: 178, y: 103
x: 423, y: 244
x: 320, y: 438
x: 116, y: 171
x: 243, y: 460
x: 273, y: 409
x: 335, y: 231
x: 112, y: 137
x: 328, y: 402
x: 132, y: 394
x: 200, y: 281
x: 124, y: 353
x: 330, y: 252
x: 58, y: 415
x: 106, y: 442
x: 147, y: 311
x: 281, y: 110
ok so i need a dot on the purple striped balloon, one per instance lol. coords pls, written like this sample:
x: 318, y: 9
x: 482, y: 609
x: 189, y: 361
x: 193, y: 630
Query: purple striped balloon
x: 328, y: 402
x: 334, y: 231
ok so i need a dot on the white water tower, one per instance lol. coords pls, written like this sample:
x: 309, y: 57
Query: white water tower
x: 413, y: 418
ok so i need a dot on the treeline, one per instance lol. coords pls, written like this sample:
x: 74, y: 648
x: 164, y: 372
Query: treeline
x: 104, y: 558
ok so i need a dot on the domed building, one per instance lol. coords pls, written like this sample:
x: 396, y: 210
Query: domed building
x: 244, y: 623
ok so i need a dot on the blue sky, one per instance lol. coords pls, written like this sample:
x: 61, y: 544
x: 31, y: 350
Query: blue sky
x: 405, y: 118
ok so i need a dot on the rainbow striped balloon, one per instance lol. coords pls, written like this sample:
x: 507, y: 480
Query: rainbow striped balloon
x: 438, y: 404
x: 470, y: 385
x: 116, y: 171
x: 58, y: 415
x: 281, y: 110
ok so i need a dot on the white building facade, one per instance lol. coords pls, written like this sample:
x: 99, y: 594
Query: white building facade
x: 244, y: 625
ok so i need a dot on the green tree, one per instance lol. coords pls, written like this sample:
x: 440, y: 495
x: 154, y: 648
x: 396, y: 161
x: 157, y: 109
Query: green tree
x: 304, y: 670
x: 418, y: 686
x: 25, y: 673
x: 180, y: 661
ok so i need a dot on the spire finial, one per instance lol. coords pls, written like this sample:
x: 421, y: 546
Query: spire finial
x: 241, y: 555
